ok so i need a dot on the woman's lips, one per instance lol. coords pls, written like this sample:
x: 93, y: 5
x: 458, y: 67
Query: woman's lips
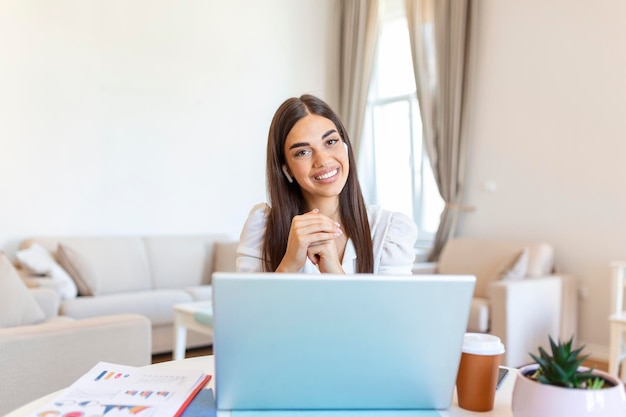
x: 327, y: 175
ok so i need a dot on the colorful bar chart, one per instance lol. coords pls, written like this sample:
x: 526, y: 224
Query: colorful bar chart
x: 106, y: 375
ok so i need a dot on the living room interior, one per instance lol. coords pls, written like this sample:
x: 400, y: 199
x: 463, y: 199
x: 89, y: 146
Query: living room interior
x: 151, y: 118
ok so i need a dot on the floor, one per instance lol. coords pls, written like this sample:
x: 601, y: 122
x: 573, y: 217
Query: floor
x: 599, y: 365
x: 190, y: 353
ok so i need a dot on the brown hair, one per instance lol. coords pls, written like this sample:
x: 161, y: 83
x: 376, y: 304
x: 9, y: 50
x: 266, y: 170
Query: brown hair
x: 286, y: 199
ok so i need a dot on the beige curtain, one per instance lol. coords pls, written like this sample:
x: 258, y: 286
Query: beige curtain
x: 440, y: 32
x: 358, y: 36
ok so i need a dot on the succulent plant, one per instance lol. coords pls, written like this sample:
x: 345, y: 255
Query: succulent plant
x: 561, y: 368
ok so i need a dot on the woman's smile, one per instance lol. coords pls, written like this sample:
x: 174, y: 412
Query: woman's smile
x: 327, y: 175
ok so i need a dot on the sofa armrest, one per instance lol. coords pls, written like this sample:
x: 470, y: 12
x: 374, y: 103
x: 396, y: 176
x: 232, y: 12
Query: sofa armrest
x: 39, y: 359
x: 525, y: 312
x: 421, y: 268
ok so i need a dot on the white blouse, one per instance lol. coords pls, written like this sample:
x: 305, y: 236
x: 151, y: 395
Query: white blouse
x: 393, y: 236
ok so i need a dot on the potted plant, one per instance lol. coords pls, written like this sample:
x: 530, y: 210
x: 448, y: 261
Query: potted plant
x: 557, y: 385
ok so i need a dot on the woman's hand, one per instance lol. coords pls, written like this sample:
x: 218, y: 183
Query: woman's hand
x: 312, y: 235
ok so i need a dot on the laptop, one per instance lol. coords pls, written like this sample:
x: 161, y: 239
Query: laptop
x: 296, y: 344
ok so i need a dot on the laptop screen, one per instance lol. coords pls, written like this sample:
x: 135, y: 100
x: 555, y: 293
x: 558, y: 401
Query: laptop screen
x: 338, y: 342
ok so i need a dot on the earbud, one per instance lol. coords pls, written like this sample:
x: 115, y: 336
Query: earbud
x: 346, y: 145
x: 286, y: 172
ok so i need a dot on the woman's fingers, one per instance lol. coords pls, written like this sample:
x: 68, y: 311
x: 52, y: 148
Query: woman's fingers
x: 325, y: 256
x: 311, y: 235
x: 313, y: 226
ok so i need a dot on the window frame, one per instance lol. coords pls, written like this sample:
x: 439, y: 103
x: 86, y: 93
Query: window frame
x: 419, y: 161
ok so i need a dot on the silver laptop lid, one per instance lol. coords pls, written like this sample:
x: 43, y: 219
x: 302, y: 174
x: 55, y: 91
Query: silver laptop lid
x: 337, y: 342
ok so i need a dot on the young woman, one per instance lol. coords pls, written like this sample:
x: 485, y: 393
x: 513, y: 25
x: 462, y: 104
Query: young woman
x: 316, y: 220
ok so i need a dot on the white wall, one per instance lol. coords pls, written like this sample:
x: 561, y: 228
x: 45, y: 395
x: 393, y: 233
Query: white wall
x: 548, y: 126
x: 147, y: 116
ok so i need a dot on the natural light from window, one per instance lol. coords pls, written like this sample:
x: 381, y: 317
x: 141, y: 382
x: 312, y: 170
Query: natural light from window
x: 394, y: 161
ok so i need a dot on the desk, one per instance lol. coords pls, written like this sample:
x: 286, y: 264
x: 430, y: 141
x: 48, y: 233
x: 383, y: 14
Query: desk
x: 502, y: 407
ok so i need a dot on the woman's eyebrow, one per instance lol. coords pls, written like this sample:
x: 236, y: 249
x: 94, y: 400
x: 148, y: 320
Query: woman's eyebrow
x: 298, y: 145
x: 324, y: 136
x: 327, y: 134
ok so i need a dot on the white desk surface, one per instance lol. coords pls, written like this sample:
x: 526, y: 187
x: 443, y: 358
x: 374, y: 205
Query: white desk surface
x: 502, y: 407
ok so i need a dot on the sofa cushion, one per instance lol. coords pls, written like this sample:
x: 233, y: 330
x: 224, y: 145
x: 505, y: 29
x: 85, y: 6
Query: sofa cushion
x: 17, y: 306
x: 39, y: 261
x: 200, y: 292
x: 180, y: 261
x: 48, y: 300
x: 157, y: 305
x: 518, y: 269
x: 540, y: 260
x: 105, y: 265
x: 487, y: 259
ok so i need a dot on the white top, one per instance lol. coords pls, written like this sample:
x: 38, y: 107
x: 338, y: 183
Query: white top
x: 393, y: 236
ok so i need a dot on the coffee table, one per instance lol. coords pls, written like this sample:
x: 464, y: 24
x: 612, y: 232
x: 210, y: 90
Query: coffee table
x: 502, y: 407
x: 196, y: 316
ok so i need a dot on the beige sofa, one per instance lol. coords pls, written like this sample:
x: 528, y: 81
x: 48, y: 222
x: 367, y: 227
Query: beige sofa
x: 518, y: 295
x: 41, y: 352
x: 143, y: 275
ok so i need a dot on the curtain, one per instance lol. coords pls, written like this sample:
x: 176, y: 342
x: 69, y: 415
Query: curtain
x: 440, y: 32
x: 358, y: 36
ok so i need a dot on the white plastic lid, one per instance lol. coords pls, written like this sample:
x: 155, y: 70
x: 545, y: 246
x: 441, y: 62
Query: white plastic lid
x: 482, y: 344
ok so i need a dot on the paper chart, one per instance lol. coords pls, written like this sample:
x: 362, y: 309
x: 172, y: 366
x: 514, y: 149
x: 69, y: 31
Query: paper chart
x: 120, y: 391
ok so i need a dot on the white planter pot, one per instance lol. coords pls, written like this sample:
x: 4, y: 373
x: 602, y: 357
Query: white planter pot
x: 533, y: 399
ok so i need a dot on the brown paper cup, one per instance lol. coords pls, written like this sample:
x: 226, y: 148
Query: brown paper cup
x: 476, y: 381
x: 478, y: 371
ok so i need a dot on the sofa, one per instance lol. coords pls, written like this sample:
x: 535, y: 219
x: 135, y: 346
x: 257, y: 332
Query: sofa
x: 42, y: 352
x: 145, y: 275
x: 518, y: 295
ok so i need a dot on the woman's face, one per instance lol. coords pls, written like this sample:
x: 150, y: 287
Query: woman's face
x: 317, y: 157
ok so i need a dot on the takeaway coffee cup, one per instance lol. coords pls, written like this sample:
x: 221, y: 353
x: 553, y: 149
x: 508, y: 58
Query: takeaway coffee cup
x: 478, y: 371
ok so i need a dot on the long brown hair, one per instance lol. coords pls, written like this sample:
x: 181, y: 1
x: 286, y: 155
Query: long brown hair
x: 286, y: 199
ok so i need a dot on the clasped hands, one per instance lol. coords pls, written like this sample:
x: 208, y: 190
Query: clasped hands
x: 312, y: 235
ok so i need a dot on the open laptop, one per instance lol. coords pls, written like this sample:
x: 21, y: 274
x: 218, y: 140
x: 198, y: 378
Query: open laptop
x: 295, y: 344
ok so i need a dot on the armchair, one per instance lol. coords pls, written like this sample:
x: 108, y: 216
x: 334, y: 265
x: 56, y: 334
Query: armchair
x: 518, y: 296
x: 41, y: 352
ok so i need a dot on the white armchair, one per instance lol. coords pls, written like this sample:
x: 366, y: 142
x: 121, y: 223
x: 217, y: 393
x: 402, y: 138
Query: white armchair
x: 518, y: 297
x: 40, y: 358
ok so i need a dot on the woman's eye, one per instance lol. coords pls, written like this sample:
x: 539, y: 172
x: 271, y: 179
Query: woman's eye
x: 301, y: 153
x: 332, y: 141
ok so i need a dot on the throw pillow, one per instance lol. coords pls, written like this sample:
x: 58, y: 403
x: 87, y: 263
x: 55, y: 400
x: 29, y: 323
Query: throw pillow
x: 516, y: 269
x: 17, y: 305
x: 78, y: 269
x: 108, y: 265
x: 38, y: 260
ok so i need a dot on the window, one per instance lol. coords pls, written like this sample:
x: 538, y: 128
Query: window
x: 393, y: 160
